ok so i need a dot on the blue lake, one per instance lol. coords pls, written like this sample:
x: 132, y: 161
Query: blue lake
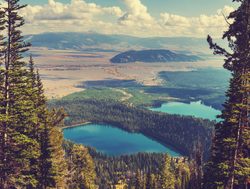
x: 114, y: 141
x: 196, y: 109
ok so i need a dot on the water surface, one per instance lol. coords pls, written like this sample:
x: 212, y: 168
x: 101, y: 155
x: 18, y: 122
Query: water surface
x: 196, y: 109
x: 114, y: 141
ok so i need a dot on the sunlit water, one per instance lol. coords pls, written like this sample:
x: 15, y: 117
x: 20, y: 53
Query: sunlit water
x: 114, y: 141
x: 196, y: 109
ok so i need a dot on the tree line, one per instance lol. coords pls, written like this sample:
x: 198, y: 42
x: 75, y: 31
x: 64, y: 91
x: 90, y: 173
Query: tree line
x: 142, y: 171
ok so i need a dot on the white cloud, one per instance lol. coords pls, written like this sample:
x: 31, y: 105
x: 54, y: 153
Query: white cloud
x: 174, y: 20
x: 197, y: 26
x: 80, y: 16
x: 77, y: 9
x: 136, y: 11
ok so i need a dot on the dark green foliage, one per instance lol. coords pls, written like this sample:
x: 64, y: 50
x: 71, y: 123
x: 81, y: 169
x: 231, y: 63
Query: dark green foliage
x: 2, y: 102
x: 19, y: 147
x: 138, y: 171
x: 81, y: 167
x: 178, y: 131
x: 230, y: 159
x: 31, y: 154
x: 167, y: 176
x: 111, y: 170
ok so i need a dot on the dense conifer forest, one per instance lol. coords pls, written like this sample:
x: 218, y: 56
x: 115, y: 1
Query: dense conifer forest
x: 143, y: 171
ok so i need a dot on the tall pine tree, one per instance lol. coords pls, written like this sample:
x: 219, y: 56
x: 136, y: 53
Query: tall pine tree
x: 81, y: 169
x: 51, y: 163
x: 31, y: 154
x: 167, y: 175
x: 230, y: 159
x: 2, y: 110
x: 18, y: 147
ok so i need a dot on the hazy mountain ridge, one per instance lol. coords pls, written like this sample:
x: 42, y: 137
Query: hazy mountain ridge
x: 95, y: 41
x: 160, y: 55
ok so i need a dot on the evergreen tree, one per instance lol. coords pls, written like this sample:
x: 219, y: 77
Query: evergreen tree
x: 2, y: 117
x: 31, y: 154
x: 51, y: 162
x: 81, y: 169
x: 196, y: 167
x: 167, y: 175
x: 18, y: 117
x: 230, y: 159
x: 45, y: 174
x: 59, y: 166
x: 152, y: 181
x: 140, y: 182
x: 182, y: 175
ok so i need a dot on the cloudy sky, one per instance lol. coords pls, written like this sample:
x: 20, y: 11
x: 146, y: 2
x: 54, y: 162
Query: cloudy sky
x: 143, y: 18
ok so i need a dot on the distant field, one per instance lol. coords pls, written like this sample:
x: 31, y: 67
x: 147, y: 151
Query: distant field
x: 130, y: 96
x: 208, y: 85
x: 65, y: 72
x: 98, y: 94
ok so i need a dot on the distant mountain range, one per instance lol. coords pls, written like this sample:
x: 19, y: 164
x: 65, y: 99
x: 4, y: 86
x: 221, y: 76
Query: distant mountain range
x: 119, y: 43
x: 153, y: 56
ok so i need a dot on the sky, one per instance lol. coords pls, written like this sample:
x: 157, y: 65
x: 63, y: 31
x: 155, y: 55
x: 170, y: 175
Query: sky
x: 186, y: 7
x: 142, y: 18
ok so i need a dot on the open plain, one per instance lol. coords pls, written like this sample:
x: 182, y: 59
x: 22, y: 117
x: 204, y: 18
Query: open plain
x: 63, y: 71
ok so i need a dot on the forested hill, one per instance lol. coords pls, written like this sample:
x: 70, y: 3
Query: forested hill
x: 153, y: 56
x: 179, y: 132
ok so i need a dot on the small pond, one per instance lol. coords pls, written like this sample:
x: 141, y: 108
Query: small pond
x: 196, y: 109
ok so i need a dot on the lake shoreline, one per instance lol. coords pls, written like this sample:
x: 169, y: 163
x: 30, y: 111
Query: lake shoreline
x: 76, y: 125
x: 196, y: 109
x: 156, y: 139
x: 112, y: 132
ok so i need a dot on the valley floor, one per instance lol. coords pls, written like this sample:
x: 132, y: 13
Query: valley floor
x: 63, y: 71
